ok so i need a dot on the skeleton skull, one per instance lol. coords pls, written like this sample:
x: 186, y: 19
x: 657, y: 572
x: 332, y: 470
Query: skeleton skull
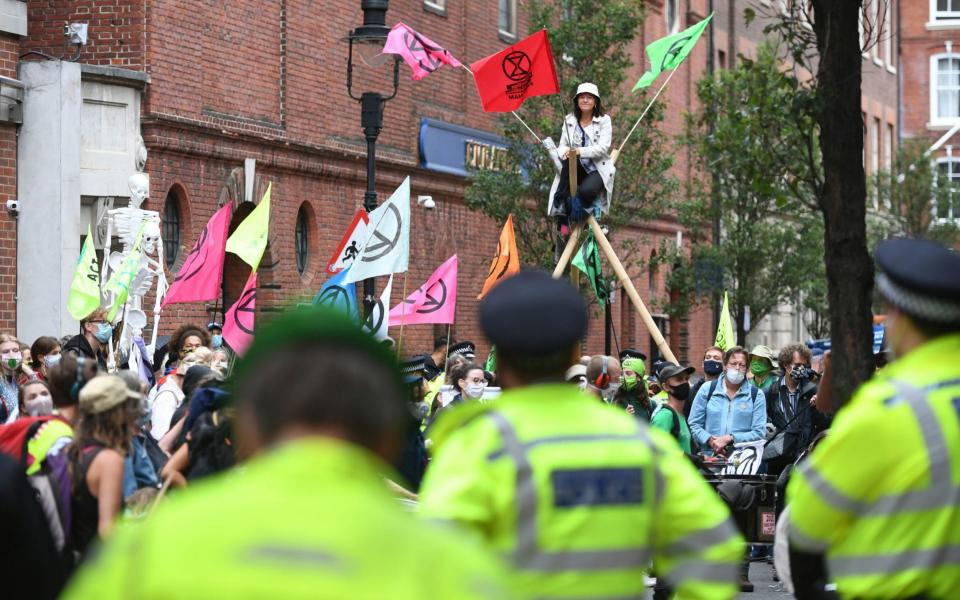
x: 151, y: 236
x: 139, y: 184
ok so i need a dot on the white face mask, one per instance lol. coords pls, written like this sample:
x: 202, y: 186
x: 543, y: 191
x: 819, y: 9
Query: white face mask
x: 39, y: 406
x: 735, y: 376
x: 611, y: 390
x: 474, y: 390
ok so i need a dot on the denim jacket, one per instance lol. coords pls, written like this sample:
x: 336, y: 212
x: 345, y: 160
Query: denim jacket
x: 743, y: 417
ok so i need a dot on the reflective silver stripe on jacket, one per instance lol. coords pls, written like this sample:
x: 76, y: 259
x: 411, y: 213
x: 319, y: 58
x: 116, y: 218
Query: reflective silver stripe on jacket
x: 847, y: 566
x: 527, y: 555
x: 942, y: 492
x: 703, y: 571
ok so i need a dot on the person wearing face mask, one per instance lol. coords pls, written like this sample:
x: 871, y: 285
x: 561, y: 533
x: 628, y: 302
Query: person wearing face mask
x: 216, y: 335
x: 468, y: 382
x: 12, y: 378
x: 603, y: 377
x: 34, y: 399
x: 730, y: 410
x: 712, y: 368
x: 763, y: 368
x: 45, y: 353
x: 95, y: 332
x: 874, y: 507
x: 632, y: 394
x: 669, y: 415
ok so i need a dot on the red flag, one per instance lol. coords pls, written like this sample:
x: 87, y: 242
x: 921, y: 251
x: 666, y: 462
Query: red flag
x: 434, y: 302
x: 524, y: 70
x: 199, y: 277
x: 238, y: 325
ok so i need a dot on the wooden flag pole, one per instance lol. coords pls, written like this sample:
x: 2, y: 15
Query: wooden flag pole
x: 568, y: 251
x: 616, y: 153
x: 631, y: 291
x: 403, y: 312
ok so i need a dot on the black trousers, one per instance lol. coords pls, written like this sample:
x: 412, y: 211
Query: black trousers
x: 589, y: 186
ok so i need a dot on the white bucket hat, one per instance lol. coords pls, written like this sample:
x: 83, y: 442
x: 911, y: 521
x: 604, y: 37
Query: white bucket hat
x: 588, y: 88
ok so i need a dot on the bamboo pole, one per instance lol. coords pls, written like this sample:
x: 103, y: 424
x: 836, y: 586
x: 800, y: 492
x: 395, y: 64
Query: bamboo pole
x: 568, y: 251
x: 631, y: 290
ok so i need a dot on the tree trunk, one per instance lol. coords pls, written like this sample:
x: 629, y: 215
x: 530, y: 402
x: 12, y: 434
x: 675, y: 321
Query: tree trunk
x: 843, y: 197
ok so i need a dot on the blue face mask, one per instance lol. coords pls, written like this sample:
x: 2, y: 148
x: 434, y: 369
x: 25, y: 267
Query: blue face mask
x: 104, y: 333
x: 216, y: 341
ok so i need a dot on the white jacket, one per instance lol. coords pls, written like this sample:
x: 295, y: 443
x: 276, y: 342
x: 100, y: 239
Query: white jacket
x: 600, y: 136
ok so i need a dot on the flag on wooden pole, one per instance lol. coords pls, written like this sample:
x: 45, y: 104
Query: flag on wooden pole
x: 433, y: 302
x: 506, y: 79
x: 669, y: 52
x: 726, y: 338
x: 506, y: 262
x: 238, y: 324
x: 199, y: 278
x: 249, y: 241
x: 84, y: 295
x: 422, y: 54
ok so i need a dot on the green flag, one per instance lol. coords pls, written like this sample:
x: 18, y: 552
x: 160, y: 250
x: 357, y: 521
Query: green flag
x: 587, y: 259
x: 667, y: 53
x: 726, y: 338
x: 491, y: 365
x: 249, y: 241
x: 84, y: 295
x: 123, y: 277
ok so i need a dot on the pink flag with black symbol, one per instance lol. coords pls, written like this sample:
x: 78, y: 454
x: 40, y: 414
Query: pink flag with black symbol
x: 199, y: 277
x: 434, y: 302
x: 420, y: 52
x: 238, y: 324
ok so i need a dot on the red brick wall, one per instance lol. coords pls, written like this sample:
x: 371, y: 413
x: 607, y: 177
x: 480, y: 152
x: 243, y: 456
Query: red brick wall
x: 8, y: 191
x: 116, y: 32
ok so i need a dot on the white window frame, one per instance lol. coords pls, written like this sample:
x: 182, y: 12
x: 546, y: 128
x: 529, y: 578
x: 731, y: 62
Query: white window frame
x: 512, y: 4
x: 937, y: 16
x: 934, y: 88
x: 949, y: 159
x: 436, y: 5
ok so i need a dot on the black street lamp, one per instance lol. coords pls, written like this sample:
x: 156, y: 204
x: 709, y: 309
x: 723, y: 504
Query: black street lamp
x: 370, y: 38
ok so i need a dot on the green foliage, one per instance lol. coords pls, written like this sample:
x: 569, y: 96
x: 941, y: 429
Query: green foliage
x: 590, y: 41
x: 754, y: 133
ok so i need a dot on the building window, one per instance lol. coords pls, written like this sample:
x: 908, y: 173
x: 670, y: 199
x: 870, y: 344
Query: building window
x: 946, y: 206
x: 887, y: 34
x: 171, y: 229
x: 721, y: 59
x: 889, y: 146
x: 945, y: 10
x: 945, y: 91
x: 302, y: 240
x: 436, y: 5
x: 507, y: 20
x: 670, y: 11
x: 875, y: 147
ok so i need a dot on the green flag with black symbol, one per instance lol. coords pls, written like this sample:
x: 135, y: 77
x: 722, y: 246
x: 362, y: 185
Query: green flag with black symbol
x: 84, y: 295
x: 587, y: 259
x: 669, y: 52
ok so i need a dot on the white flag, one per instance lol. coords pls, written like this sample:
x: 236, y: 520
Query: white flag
x: 378, y: 320
x: 387, y: 247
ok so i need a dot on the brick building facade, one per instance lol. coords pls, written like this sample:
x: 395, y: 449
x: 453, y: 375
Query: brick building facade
x: 218, y: 84
x: 930, y: 85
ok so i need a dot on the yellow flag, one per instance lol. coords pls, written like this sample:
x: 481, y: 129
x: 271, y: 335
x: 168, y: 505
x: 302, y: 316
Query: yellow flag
x: 122, y: 278
x: 84, y: 295
x: 726, y: 338
x: 249, y: 241
x: 507, y: 260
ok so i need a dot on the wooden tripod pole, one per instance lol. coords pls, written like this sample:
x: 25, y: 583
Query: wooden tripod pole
x: 631, y: 290
x: 568, y: 251
x: 572, y: 172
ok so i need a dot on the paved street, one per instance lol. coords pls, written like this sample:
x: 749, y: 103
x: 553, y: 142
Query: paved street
x: 765, y: 588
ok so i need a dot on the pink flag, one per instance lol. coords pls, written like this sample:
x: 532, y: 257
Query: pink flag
x: 238, y: 325
x: 199, y: 277
x: 420, y: 52
x: 434, y: 302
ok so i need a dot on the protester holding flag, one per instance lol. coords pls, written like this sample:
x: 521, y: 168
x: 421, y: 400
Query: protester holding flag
x: 95, y: 332
x: 587, y: 133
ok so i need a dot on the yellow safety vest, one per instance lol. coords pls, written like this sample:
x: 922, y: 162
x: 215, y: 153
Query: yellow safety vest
x: 579, y: 497
x: 881, y: 494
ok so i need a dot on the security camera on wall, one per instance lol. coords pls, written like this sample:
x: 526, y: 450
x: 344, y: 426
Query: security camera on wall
x: 426, y: 202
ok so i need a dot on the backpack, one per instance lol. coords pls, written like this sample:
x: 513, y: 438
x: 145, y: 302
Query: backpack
x: 51, y: 481
x: 675, y: 428
x: 754, y: 390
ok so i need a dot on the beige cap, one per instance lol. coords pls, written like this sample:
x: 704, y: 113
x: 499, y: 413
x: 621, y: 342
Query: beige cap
x: 765, y: 352
x: 102, y: 393
x: 588, y: 88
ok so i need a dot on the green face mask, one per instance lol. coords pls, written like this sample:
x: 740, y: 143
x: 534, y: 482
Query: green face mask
x: 629, y: 383
x: 760, y: 368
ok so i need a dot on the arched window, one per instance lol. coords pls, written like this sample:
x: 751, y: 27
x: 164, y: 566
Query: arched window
x: 302, y: 240
x: 171, y: 229
x: 945, y: 88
